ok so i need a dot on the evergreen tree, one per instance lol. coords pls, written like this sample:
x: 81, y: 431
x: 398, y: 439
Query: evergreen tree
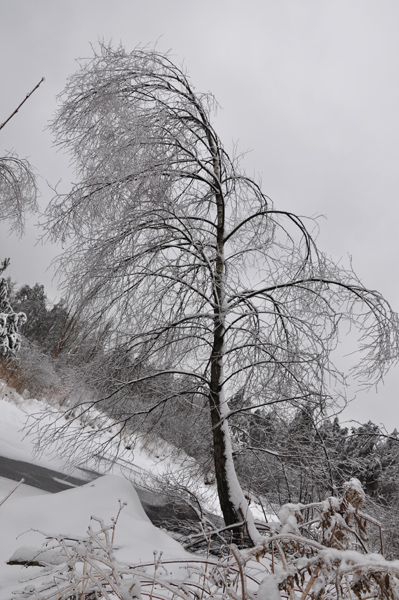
x: 10, y: 321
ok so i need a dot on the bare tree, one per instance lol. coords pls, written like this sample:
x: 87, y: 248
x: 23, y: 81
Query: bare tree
x: 18, y: 189
x: 195, y: 270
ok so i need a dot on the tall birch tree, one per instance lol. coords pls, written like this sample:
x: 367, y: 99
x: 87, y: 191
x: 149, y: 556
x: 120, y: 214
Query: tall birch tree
x: 193, y: 268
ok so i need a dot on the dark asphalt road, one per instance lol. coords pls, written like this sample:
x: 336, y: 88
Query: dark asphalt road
x: 38, y: 477
x: 157, y: 507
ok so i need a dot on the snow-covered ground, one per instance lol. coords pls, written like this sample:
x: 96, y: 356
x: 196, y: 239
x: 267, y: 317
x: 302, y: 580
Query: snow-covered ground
x: 26, y: 517
x: 29, y: 518
x: 28, y: 513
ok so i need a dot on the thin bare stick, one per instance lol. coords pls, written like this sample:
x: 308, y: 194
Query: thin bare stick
x: 12, y: 491
x: 23, y: 102
x: 114, y: 521
x: 235, y: 552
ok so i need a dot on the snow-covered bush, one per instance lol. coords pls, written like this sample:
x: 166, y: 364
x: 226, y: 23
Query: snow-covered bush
x: 10, y: 339
x: 320, y: 551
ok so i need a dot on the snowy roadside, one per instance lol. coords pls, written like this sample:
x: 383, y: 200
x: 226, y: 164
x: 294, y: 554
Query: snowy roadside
x: 142, y: 464
x: 29, y: 512
x: 46, y: 536
x: 147, y: 465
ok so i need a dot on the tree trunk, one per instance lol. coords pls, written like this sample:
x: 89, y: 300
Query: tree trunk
x: 233, y: 503
x: 220, y: 444
x: 231, y: 497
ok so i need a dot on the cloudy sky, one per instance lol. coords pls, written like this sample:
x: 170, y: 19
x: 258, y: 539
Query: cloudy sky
x: 308, y: 88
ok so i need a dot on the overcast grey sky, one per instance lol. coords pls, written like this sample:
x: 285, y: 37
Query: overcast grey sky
x: 309, y: 87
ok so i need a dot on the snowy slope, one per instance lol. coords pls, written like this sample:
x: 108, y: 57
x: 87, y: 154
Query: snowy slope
x: 14, y: 411
x: 143, y: 464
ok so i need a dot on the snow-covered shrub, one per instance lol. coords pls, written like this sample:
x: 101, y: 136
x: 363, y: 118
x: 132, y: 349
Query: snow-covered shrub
x: 80, y: 567
x: 320, y: 551
x: 10, y: 339
x: 33, y: 371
